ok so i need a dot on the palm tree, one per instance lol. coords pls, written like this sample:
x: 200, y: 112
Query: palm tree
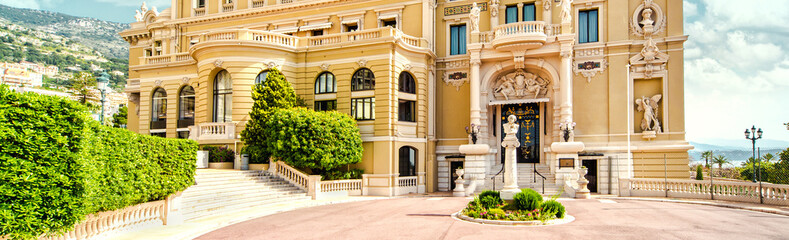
x: 768, y: 157
x: 720, y: 160
x: 706, y: 155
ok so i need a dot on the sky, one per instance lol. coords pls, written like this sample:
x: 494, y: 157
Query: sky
x: 736, y: 66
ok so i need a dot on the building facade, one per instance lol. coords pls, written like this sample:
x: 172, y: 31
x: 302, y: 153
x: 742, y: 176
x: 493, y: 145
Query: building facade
x: 595, y: 83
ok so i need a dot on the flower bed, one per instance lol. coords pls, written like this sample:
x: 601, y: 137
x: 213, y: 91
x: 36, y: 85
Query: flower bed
x: 527, y: 208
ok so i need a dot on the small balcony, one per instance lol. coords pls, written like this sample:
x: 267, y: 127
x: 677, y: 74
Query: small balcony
x: 213, y: 131
x: 519, y: 36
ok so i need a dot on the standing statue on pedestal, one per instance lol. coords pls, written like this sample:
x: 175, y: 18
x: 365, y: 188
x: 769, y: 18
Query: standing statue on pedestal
x: 510, y: 143
x: 649, y: 105
x: 474, y: 16
x: 567, y: 11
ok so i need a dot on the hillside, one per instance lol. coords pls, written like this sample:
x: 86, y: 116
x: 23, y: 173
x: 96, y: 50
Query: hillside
x: 101, y: 36
x: 734, y: 154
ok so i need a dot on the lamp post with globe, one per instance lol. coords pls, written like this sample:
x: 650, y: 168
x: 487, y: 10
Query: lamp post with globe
x: 103, y: 80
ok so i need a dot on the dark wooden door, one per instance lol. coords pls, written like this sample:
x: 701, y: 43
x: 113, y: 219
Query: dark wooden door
x: 528, y: 115
x: 591, y: 175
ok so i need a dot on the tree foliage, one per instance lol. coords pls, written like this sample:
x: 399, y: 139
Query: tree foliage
x: 274, y: 93
x: 119, y: 119
x: 81, y: 83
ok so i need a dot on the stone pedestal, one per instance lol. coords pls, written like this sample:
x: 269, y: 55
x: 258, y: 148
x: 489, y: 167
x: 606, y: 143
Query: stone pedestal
x: 582, y: 192
x: 460, y: 190
x: 474, y: 164
x: 510, y: 144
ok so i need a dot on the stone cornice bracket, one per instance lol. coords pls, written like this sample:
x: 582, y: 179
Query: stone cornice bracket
x: 362, y: 63
x: 185, y: 80
x: 519, y: 59
x: 158, y: 82
x: 325, y: 67
x: 218, y: 63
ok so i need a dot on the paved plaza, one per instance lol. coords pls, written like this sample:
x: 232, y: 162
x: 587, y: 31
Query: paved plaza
x: 429, y: 218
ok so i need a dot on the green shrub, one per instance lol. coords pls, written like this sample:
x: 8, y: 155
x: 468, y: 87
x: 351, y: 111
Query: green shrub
x: 495, y: 213
x: 552, y: 208
x: 42, y: 181
x: 490, y: 199
x: 220, y: 154
x: 56, y: 165
x: 527, y: 199
x: 699, y: 173
x: 126, y: 168
x: 320, y: 141
x: 338, y: 174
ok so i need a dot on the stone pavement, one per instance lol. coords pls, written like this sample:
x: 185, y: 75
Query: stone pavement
x: 774, y: 209
x: 192, y: 229
x: 429, y: 218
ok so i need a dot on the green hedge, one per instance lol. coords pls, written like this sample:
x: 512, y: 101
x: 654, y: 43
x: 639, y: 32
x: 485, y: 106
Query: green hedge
x: 42, y: 180
x: 57, y: 166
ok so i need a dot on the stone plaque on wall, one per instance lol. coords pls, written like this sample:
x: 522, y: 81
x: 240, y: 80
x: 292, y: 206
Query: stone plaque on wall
x: 463, y: 9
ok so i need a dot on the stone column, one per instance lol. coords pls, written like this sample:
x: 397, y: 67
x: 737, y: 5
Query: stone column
x: 474, y: 86
x: 566, y: 78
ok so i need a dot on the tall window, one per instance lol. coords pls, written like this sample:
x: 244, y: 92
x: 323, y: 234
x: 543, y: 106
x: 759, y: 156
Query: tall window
x: 407, y: 83
x: 325, y: 83
x: 587, y: 26
x: 457, y: 39
x: 363, y: 108
x: 200, y: 3
x: 363, y: 79
x: 407, y: 161
x: 511, y: 14
x: 261, y: 78
x: 329, y: 105
x: 407, y: 111
x: 529, y: 12
x: 223, y: 97
x: 159, y: 109
x: 186, y: 107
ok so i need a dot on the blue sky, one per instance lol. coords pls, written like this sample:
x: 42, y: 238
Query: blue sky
x: 736, y: 66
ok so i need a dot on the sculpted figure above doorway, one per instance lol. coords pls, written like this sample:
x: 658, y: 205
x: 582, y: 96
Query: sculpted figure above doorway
x: 520, y: 84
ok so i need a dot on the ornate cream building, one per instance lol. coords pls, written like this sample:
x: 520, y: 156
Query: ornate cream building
x: 594, y: 83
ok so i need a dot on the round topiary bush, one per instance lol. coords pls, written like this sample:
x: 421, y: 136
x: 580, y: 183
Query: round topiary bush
x: 490, y: 199
x: 553, y: 207
x: 527, y: 199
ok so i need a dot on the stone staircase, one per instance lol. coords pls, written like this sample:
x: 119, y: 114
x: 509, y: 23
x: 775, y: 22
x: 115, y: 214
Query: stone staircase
x: 526, y: 179
x: 224, y: 191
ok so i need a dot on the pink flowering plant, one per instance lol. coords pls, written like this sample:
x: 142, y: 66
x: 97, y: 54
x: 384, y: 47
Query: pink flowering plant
x: 527, y: 205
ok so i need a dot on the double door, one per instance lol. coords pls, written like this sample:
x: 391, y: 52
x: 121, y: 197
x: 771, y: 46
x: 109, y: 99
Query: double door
x: 528, y: 118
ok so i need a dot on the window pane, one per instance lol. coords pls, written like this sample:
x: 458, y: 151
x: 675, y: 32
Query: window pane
x: 592, y: 26
x: 462, y: 39
x: 511, y: 14
x: 583, y: 27
x: 528, y: 12
x: 453, y: 40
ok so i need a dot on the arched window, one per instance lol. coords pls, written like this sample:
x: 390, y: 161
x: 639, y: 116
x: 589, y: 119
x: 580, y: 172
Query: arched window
x: 407, y: 83
x: 261, y: 78
x: 363, y: 79
x: 407, y: 161
x: 223, y: 97
x: 325, y: 83
x: 159, y: 109
x: 186, y: 107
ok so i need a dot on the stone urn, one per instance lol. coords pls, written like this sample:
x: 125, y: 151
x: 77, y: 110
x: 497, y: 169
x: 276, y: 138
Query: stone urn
x: 460, y: 190
x: 460, y: 172
x: 582, y: 192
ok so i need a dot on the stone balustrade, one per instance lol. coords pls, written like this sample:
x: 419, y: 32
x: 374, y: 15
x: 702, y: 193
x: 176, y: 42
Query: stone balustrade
x: 352, y: 186
x: 213, y: 131
x: 228, y: 7
x: 168, y: 58
x: 258, y: 3
x: 776, y: 194
x: 519, y: 35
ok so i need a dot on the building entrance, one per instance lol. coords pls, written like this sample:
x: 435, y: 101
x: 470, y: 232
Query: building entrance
x: 528, y: 115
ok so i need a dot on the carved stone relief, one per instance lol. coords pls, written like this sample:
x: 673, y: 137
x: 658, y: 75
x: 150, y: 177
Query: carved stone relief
x: 185, y: 80
x: 649, y: 106
x: 272, y: 65
x: 650, y: 59
x: 218, y: 63
x: 158, y: 82
x: 589, y: 68
x: 325, y: 67
x: 362, y: 63
x: 520, y: 85
x: 648, y: 19
x: 456, y: 79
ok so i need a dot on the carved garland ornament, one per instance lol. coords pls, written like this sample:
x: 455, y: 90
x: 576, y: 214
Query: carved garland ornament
x: 456, y: 79
x: 521, y: 85
x: 589, y: 68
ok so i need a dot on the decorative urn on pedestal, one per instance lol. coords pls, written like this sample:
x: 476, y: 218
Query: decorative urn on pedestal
x: 583, y: 192
x: 460, y: 190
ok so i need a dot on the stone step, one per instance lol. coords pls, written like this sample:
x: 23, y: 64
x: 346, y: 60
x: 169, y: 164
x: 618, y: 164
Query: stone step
x: 231, y: 183
x: 212, y: 199
x: 201, y: 193
x: 233, y: 206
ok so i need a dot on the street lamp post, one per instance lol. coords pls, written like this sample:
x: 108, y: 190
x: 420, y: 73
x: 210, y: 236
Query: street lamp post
x: 103, y: 80
x: 753, y: 135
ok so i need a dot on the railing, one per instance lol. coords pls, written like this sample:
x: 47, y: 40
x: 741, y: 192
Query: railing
x: 520, y: 28
x: 272, y: 37
x: 407, y: 185
x: 292, y: 175
x: 258, y: 3
x: 353, y: 186
x: 553, y: 29
x: 224, y: 35
x: 363, y: 35
x: 199, y: 11
x: 228, y: 7
x: 286, y: 1
x: 178, y: 57
x: 777, y: 194
x: 213, y: 131
x: 103, y: 224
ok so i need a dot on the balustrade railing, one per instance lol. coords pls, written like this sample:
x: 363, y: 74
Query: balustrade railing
x: 224, y: 35
x: 553, y: 29
x: 199, y: 11
x: 228, y: 7
x: 213, y: 131
x: 407, y: 185
x: 354, y: 185
x: 520, y: 28
x: 292, y: 175
x: 363, y: 35
x: 102, y: 225
x: 777, y: 194
x: 291, y: 41
x: 258, y: 3
x: 275, y: 38
x: 166, y: 58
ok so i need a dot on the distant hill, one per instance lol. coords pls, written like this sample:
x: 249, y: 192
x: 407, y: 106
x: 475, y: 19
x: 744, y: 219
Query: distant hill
x: 734, y: 154
x: 100, y: 35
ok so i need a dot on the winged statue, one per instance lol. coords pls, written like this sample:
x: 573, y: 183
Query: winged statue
x: 649, y: 105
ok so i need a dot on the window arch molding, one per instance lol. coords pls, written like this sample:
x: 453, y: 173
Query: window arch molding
x: 363, y: 79
x: 325, y: 83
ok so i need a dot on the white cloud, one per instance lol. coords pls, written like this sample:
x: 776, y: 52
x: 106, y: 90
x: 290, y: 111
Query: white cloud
x: 689, y: 9
x: 21, y: 4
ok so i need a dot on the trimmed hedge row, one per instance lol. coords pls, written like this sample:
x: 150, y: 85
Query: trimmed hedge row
x: 57, y: 165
